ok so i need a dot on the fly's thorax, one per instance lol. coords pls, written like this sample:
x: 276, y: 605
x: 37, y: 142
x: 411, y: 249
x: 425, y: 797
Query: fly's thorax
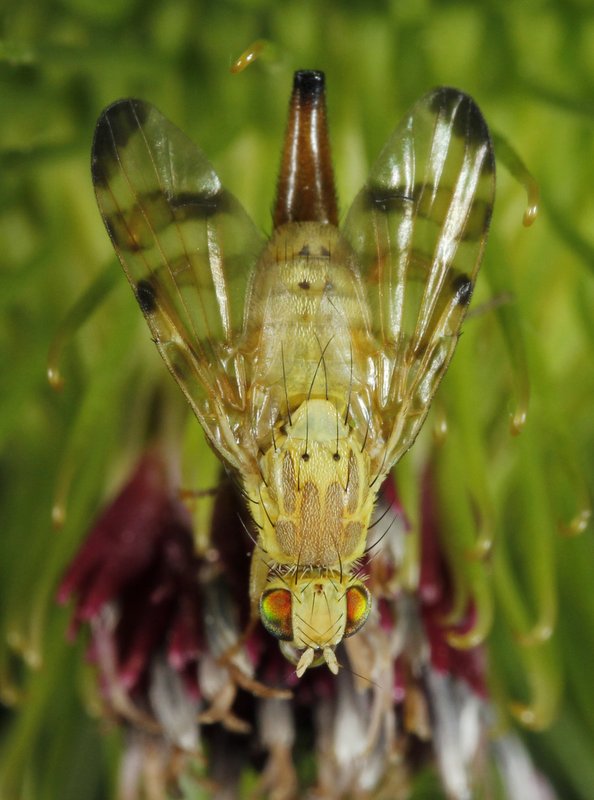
x: 314, y: 504
x: 311, y: 611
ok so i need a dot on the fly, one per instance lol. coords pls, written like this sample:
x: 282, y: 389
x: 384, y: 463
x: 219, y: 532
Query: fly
x: 310, y: 360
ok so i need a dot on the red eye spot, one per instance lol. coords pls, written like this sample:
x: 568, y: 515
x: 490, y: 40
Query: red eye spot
x: 358, y: 608
x: 275, y: 612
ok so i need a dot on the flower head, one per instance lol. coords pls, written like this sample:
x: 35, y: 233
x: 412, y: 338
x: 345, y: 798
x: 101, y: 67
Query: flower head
x: 181, y: 659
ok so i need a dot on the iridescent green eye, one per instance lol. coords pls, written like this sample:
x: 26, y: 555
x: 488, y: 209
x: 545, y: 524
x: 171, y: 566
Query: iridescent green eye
x: 358, y: 603
x: 276, y: 614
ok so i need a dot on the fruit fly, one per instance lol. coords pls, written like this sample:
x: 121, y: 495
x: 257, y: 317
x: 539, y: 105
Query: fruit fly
x: 309, y: 360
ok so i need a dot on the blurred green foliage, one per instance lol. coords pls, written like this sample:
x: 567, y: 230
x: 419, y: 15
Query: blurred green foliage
x: 530, y: 66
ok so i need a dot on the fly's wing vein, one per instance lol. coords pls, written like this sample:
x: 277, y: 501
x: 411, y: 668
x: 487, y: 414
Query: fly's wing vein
x: 418, y: 229
x: 187, y: 248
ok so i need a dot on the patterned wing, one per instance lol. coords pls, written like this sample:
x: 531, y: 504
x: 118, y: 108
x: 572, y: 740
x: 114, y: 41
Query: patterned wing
x: 187, y: 247
x: 418, y: 229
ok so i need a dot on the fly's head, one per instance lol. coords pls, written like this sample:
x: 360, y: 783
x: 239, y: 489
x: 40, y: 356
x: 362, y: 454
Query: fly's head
x: 311, y: 612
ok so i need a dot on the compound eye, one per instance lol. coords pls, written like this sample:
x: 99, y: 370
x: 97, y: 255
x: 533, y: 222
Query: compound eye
x: 276, y: 614
x: 358, y: 601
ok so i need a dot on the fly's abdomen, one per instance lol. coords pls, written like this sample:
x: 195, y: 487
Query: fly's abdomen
x: 307, y: 323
